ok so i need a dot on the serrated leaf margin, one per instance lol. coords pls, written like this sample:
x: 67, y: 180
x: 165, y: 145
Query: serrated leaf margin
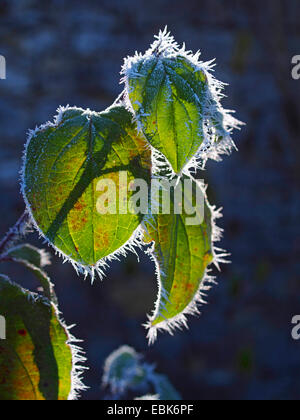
x: 180, y: 321
x: 98, y: 269
x: 78, y: 355
x: 166, y: 46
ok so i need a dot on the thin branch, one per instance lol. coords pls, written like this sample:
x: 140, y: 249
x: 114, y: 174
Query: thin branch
x: 14, y: 233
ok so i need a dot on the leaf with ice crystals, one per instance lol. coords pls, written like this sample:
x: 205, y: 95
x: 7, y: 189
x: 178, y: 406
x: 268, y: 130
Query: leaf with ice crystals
x: 182, y: 249
x: 176, y: 103
x: 36, y: 359
x: 30, y: 254
x: 63, y: 165
x: 34, y: 260
x: 124, y: 370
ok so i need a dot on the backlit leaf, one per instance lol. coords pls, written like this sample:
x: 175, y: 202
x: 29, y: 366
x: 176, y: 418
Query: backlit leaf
x: 176, y: 102
x: 167, y: 95
x: 31, y: 254
x: 36, y: 361
x: 64, y: 163
x: 182, y: 250
x: 34, y: 260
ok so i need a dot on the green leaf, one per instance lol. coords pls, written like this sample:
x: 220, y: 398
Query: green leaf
x: 64, y: 163
x: 31, y: 254
x: 35, y: 260
x: 182, y: 250
x: 35, y: 359
x: 177, y: 104
x: 168, y: 94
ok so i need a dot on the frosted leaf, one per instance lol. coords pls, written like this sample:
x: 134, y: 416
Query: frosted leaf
x: 177, y: 104
x: 63, y: 164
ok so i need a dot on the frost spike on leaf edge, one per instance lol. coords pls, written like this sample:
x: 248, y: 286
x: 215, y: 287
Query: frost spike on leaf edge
x: 166, y: 46
x: 78, y: 355
x: 180, y: 321
x: 133, y: 242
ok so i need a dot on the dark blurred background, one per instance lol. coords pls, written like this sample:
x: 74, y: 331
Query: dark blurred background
x: 70, y: 52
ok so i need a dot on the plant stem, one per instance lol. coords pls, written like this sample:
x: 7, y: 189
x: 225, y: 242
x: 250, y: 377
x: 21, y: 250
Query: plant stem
x: 19, y: 229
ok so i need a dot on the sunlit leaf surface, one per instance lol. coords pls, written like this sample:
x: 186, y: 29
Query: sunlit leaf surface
x: 35, y: 359
x: 64, y: 163
x: 168, y: 95
x: 182, y: 250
